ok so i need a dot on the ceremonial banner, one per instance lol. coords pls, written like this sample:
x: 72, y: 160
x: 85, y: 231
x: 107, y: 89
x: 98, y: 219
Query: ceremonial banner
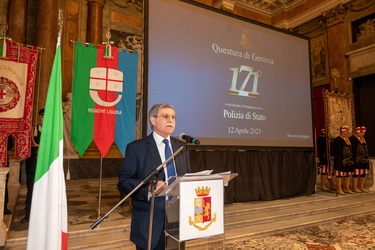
x: 104, y: 97
x: 48, y: 226
x: 339, y: 111
x: 17, y: 76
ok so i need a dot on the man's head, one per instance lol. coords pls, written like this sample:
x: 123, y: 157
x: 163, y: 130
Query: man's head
x: 162, y: 119
x: 360, y: 131
x: 41, y: 115
x: 344, y: 130
x: 323, y: 132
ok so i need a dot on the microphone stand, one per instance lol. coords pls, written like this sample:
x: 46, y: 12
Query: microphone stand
x: 150, y: 178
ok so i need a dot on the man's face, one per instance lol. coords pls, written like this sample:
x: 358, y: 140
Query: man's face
x: 345, y: 133
x: 164, y: 124
x: 361, y: 134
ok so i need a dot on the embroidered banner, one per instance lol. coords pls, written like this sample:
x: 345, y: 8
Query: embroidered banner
x: 104, y: 98
x: 339, y: 111
x: 17, y: 77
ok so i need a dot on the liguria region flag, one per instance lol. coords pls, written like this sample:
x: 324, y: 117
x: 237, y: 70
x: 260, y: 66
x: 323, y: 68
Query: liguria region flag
x: 48, y: 225
x: 103, y: 97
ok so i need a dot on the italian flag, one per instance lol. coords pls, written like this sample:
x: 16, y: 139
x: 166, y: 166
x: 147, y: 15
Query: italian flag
x: 48, y: 217
x: 3, y: 47
x: 104, y: 97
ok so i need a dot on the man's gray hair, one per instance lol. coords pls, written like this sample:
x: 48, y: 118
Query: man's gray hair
x: 154, y: 111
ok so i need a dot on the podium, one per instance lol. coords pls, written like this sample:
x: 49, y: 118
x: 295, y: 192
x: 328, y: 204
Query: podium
x: 195, y: 210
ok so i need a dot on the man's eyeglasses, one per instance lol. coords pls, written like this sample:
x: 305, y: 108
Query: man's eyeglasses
x: 167, y: 117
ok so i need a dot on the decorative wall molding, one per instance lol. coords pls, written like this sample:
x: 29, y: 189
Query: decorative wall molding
x: 138, y: 4
x: 271, y: 8
x: 268, y: 7
x: 361, y: 5
x: 335, y: 15
x: 310, y: 14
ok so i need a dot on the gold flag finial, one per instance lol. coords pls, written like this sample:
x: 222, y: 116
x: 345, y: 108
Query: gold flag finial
x: 108, y: 48
x: 60, y: 20
x: 4, y: 28
x: 335, y: 74
x: 108, y: 35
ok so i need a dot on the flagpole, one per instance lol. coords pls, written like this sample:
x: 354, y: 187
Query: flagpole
x: 100, y: 184
x: 146, y: 180
x: 48, y: 225
x: 98, y: 215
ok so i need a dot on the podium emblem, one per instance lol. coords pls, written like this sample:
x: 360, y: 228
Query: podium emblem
x: 202, y: 209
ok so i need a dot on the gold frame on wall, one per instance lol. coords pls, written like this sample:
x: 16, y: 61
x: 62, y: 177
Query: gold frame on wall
x: 339, y: 111
x: 319, y: 58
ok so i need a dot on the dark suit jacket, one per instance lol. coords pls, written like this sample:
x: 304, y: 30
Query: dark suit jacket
x: 342, y: 152
x: 141, y: 158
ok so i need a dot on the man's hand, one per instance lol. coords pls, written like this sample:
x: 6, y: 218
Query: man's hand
x: 160, y: 186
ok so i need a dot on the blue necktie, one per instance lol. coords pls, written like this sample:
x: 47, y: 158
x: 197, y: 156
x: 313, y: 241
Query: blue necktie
x: 170, y: 166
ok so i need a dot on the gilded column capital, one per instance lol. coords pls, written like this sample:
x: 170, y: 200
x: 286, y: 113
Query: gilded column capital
x: 101, y: 2
x: 335, y: 15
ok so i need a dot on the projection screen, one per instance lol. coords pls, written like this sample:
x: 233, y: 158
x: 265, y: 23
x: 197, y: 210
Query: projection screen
x: 231, y: 81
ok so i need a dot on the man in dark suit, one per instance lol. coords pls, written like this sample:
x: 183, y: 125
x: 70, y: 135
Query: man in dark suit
x: 142, y: 157
x: 343, y: 162
x: 31, y: 166
x: 6, y: 196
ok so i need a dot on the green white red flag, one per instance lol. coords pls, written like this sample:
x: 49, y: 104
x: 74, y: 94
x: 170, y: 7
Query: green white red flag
x: 3, y: 47
x: 48, y: 229
x: 104, y: 97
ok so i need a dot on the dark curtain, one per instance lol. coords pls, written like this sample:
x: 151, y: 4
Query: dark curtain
x: 364, y: 102
x: 262, y: 175
x: 319, y: 113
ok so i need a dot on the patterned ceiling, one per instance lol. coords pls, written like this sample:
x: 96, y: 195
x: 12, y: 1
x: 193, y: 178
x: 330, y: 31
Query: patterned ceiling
x: 299, y: 11
x: 269, y: 6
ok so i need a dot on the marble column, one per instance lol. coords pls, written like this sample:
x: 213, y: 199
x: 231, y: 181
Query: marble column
x: 46, y: 37
x: 17, y: 14
x: 336, y: 47
x: 95, y: 21
x: 3, y: 227
x: 70, y: 33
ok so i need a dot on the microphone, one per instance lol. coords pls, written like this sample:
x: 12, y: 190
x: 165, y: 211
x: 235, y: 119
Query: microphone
x: 188, y: 138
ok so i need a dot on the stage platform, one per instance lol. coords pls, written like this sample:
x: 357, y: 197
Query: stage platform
x: 248, y: 225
